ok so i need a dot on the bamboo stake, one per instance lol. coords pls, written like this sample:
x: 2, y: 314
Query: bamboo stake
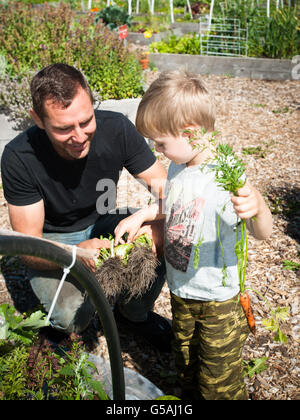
x: 210, y: 14
x: 130, y: 7
x: 189, y: 8
x: 171, y: 11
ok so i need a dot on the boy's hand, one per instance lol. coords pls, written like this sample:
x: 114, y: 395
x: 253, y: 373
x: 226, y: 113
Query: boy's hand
x: 131, y: 225
x: 247, y: 203
x: 155, y: 231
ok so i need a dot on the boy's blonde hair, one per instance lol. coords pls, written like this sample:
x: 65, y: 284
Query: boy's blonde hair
x: 174, y: 101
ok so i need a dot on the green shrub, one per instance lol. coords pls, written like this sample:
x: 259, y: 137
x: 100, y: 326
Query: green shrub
x: 15, y: 97
x: 189, y: 44
x: 12, y: 373
x: 275, y: 37
x: 32, y: 38
x: 30, y: 368
x: 37, y: 372
x: 114, y: 16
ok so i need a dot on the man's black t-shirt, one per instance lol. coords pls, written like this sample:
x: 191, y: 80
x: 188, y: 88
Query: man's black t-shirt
x: 32, y: 170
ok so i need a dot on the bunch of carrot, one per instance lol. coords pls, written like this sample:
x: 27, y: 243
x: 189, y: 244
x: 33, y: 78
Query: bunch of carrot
x: 230, y: 175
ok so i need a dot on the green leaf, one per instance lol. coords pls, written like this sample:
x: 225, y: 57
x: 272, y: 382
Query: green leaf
x: 282, y: 314
x: 273, y: 323
x: 96, y: 385
x: 144, y: 240
x: 269, y: 324
x: 25, y: 336
x: 35, y: 321
x: 255, y: 366
x: 8, y: 313
x: 290, y: 265
x: 280, y: 337
x: 67, y: 371
x: 122, y: 250
x: 167, y: 397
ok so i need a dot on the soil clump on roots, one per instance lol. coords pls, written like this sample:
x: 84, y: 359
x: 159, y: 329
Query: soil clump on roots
x: 132, y: 279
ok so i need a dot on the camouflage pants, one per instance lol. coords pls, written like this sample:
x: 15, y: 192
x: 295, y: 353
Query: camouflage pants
x: 209, y: 339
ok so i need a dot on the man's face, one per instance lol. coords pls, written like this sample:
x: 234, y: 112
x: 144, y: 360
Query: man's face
x: 70, y: 129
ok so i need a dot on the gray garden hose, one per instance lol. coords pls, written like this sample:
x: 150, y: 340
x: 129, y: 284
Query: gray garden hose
x: 22, y: 245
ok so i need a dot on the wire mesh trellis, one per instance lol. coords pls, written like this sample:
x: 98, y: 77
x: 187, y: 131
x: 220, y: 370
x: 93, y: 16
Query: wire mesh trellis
x: 223, y: 37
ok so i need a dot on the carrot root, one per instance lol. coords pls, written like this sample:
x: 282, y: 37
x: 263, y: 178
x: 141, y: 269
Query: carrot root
x: 246, y: 305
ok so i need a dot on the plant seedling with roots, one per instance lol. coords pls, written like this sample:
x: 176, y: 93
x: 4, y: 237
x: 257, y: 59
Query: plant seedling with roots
x: 128, y: 268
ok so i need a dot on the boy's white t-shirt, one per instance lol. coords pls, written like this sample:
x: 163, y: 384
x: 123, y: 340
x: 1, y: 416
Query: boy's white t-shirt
x: 194, y: 208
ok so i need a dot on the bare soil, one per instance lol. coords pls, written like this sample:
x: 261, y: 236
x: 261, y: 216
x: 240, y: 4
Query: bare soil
x: 263, y: 117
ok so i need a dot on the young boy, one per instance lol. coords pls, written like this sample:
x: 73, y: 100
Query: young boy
x: 209, y: 325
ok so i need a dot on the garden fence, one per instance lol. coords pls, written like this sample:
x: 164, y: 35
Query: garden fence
x: 223, y: 36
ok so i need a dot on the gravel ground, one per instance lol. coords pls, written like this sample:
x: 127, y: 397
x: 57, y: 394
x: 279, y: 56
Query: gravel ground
x: 262, y: 116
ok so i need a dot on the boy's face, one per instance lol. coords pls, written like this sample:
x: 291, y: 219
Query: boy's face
x: 178, y: 149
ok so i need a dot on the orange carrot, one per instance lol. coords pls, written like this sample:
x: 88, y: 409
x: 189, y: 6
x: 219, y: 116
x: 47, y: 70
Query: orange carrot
x: 246, y: 305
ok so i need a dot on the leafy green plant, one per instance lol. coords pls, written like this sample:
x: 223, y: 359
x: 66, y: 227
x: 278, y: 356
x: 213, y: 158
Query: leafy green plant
x: 290, y: 265
x: 283, y: 110
x: 188, y: 44
x: 32, y: 38
x: 114, y: 16
x: 12, y: 368
x: 15, y: 97
x: 260, y: 151
x: 35, y: 370
x: 127, y: 268
x: 230, y: 175
x: 254, y: 150
x: 277, y: 316
x: 74, y: 378
x: 275, y: 37
x: 15, y: 327
x: 255, y: 366
x: 151, y: 23
x: 123, y: 250
x: 197, y: 250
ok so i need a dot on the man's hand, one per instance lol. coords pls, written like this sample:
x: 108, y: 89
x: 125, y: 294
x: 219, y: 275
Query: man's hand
x: 94, y: 244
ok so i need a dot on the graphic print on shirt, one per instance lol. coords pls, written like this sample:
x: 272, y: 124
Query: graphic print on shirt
x: 180, y: 232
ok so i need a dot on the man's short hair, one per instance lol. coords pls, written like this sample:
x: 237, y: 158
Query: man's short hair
x: 57, y: 82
